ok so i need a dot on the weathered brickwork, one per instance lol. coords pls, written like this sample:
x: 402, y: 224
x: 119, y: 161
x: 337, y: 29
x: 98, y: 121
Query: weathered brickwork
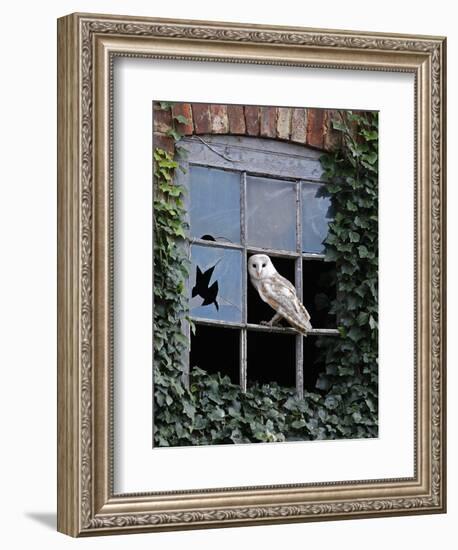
x: 252, y: 120
x: 185, y: 110
x: 311, y: 127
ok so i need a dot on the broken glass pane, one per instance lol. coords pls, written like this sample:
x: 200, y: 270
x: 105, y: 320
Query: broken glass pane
x: 316, y: 215
x: 215, y: 204
x: 206, y: 345
x: 271, y: 213
x: 215, y: 284
x: 271, y: 358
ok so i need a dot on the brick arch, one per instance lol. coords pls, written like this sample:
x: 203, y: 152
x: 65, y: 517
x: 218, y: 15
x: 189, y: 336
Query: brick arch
x: 302, y: 126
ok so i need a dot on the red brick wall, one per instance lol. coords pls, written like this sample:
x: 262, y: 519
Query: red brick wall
x: 311, y: 127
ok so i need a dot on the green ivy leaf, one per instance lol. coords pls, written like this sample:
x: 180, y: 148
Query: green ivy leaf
x: 355, y: 334
x: 189, y: 409
x: 166, y: 105
x: 354, y: 237
x: 362, y: 318
x: 168, y: 399
x: 175, y: 134
x: 331, y: 255
x: 369, y: 135
x: 181, y: 119
x: 299, y: 424
x: 371, y: 158
x: 217, y: 414
x: 331, y: 402
x: 357, y: 416
x: 363, y: 251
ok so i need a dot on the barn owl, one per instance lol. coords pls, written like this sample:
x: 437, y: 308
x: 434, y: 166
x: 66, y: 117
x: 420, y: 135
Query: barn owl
x: 279, y: 293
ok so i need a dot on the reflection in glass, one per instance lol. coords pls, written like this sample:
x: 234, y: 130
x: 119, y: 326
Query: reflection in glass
x: 271, y: 213
x: 215, y: 204
x: 316, y: 215
x: 215, y: 284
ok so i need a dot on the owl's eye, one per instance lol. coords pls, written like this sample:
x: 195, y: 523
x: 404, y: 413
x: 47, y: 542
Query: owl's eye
x: 254, y: 265
x: 263, y: 265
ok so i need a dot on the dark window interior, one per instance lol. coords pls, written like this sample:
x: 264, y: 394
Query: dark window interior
x: 319, y: 289
x: 271, y: 358
x: 258, y: 310
x: 313, y: 364
x: 216, y: 349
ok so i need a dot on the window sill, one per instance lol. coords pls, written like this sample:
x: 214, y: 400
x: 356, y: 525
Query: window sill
x: 264, y: 328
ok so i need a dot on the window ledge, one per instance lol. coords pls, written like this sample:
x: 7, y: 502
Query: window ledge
x: 264, y: 328
x: 288, y: 330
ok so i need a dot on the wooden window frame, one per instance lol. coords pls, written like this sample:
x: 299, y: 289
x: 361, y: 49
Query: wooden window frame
x: 242, y: 155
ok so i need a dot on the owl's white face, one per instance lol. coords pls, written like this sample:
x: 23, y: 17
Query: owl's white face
x: 260, y: 267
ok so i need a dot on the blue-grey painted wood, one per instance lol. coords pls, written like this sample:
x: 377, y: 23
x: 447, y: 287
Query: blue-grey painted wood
x: 276, y: 329
x: 255, y: 156
x: 298, y: 284
x: 243, y: 333
x: 182, y: 178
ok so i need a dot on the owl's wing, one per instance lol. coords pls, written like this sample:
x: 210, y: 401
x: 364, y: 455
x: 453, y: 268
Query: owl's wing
x: 281, y: 295
x: 280, y: 279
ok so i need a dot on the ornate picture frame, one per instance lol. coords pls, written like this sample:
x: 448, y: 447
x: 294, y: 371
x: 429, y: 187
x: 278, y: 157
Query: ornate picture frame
x: 87, y: 47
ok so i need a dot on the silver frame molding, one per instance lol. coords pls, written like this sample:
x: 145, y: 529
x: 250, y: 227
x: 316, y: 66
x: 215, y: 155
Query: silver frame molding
x: 87, y: 45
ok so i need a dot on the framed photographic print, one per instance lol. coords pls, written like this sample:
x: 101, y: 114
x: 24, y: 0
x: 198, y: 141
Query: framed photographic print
x: 251, y: 274
x: 252, y: 219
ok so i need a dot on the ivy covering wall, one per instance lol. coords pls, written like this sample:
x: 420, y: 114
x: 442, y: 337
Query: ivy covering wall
x: 213, y: 410
x: 351, y: 364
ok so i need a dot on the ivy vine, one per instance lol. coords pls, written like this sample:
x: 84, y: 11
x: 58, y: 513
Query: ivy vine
x: 171, y: 269
x: 213, y: 410
x: 351, y: 365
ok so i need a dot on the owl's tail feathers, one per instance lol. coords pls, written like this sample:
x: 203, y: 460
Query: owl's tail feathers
x: 298, y: 318
x: 303, y: 328
x: 306, y: 331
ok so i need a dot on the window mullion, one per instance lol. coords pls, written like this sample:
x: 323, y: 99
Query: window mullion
x: 299, y: 290
x: 182, y: 178
x: 243, y: 240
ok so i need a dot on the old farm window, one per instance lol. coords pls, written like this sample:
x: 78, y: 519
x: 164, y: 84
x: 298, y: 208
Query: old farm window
x: 248, y: 196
